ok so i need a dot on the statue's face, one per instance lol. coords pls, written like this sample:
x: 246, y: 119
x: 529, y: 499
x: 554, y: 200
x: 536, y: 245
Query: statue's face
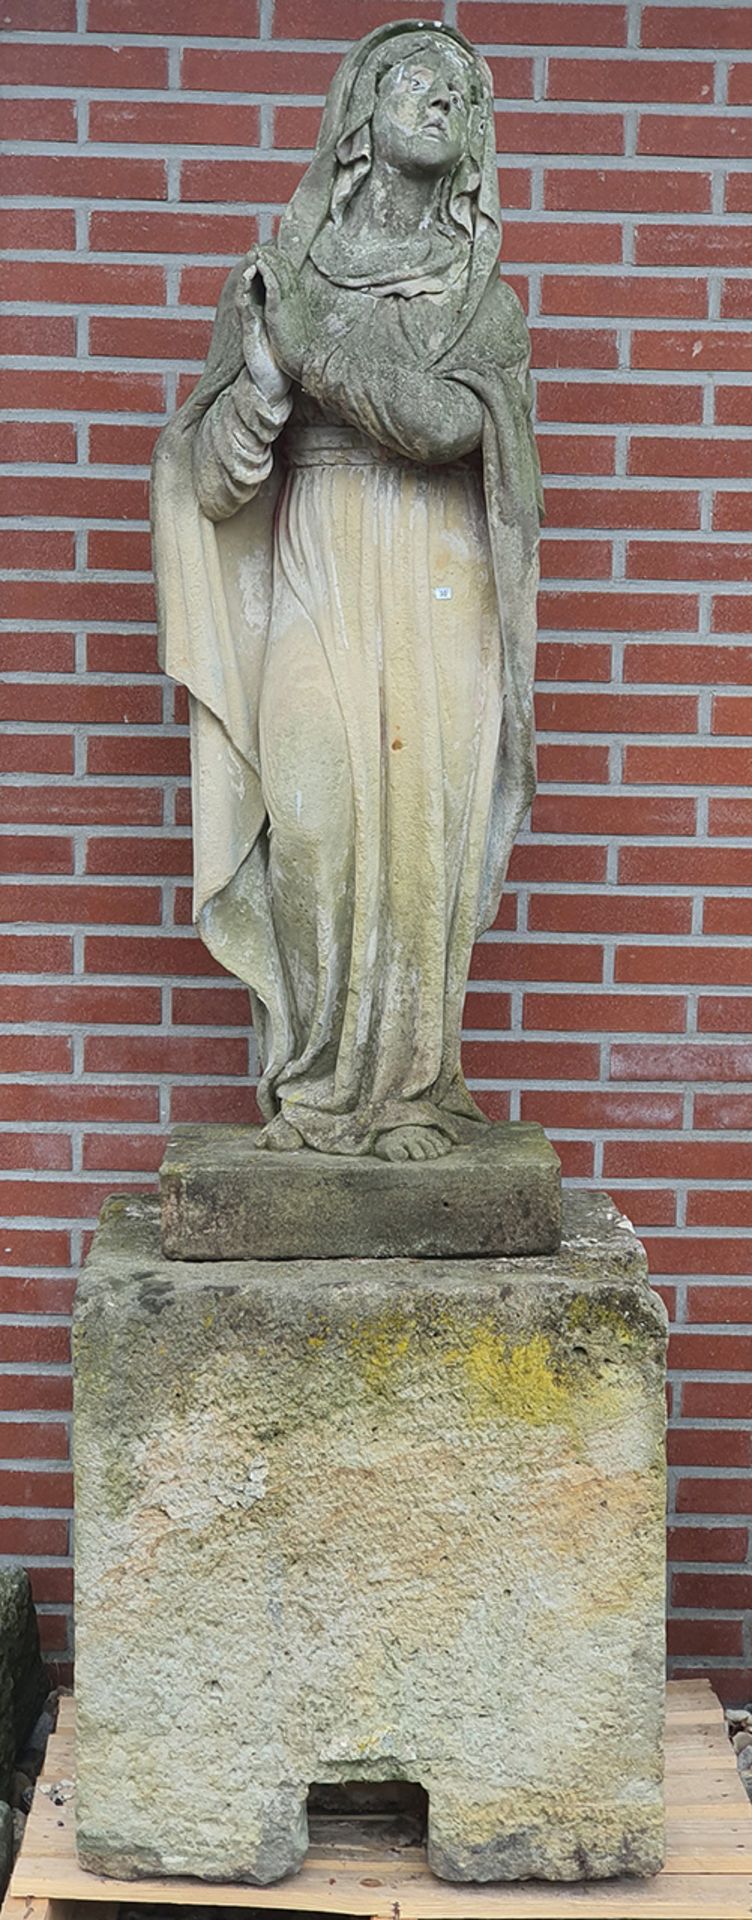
x: 421, y: 116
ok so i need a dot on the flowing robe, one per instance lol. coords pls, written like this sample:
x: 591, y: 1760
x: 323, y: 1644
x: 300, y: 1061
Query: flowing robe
x: 355, y: 622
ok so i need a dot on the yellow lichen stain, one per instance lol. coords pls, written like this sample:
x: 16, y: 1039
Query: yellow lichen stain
x: 378, y: 1344
x: 516, y: 1381
x: 599, y: 1317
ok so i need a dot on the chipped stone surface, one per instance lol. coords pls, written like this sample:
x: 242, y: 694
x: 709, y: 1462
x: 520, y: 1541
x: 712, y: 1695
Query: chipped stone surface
x: 370, y: 1520
x: 498, y: 1193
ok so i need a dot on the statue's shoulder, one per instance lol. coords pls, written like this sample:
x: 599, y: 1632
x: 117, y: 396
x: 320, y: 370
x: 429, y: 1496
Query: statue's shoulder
x: 502, y: 318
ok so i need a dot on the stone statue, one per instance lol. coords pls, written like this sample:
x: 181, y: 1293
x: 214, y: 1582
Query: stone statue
x: 346, y: 515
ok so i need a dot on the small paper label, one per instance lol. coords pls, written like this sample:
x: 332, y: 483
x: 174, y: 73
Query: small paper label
x: 442, y: 593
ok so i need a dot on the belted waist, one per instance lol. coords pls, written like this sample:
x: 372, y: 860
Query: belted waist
x: 328, y: 446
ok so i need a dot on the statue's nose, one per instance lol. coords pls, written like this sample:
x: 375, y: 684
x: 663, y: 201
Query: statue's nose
x: 439, y: 97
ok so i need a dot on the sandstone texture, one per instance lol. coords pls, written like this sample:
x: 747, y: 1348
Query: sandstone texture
x: 370, y: 1520
x: 222, y: 1199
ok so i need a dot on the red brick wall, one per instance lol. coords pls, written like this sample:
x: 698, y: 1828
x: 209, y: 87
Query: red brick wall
x: 611, y: 1002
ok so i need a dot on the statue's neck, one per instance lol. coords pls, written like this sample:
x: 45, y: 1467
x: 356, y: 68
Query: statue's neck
x: 394, y: 203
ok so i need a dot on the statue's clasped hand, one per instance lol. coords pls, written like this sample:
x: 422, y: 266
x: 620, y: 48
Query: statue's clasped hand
x: 268, y: 375
x: 286, y: 311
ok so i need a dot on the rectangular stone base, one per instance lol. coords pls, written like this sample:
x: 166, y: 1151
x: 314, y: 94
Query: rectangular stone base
x: 222, y: 1199
x: 362, y: 1521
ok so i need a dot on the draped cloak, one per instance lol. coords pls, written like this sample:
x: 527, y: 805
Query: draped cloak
x: 215, y: 579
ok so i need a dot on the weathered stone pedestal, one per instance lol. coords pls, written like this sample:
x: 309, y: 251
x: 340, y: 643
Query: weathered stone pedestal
x: 370, y: 1520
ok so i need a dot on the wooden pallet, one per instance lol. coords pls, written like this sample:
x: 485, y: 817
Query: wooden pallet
x: 707, y: 1876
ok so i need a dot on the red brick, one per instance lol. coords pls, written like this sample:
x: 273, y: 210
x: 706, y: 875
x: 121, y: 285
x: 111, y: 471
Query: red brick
x: 83, y: 176
x: 626, y: 190
x: 86, y: 600
x: 82, y: 283
x: 685, y: 866
x: 704, y: 1256
x: 44, y: 1152
x: 713, y: 1305
x: 49, y: 1584
x: 731, y: 1013
x: 618, y: 713
x: 38, y: 753
x: 697, y: 26
x: 29, y: 1440
x: 538, y: 241
x: 733, y: 405
x: 705, y: 1638
x: 24, y: 1247
x: 202, y: 286
x: 119, y: 550
x: 624, y: 297
x: 721, y: 1591
x: 94, y: 1006
x: 85, y: 391
x: 38, y: 1345
x: 238, y: 182
x: 149, y: 339
x: 723, y: 138
x: 184, y: 123
x: 570, y: 347
x: 148, y: 1053
x: 228, y: 18
x: 503, y: 960
x: 729, y: 916
x: 604, y: 1013
x: 618, y: 611
x: 37, y: 853
x: 692, y: 351
x: 85, y: 805
x: 37, y: 653
x: 719, y: 1209
x: 89, y: 496
x: 25, y: 227
x: 732, y: 512
x: 157, y: 856
x: 608, y: 911
x: 717, y: 1400
x: 603, y: 1110
x: 234, y: 1104
x: 540, y: 862
x: 683, y: 766
x: 699, y: 665
x: 92, y: 1104
x: 47, y: 440
x: 732, y: 715
x: 680, y: 1160
x: 525, y: 1060
x: 79, y: 704
x: 739, y: 192
x: 246, y: 70
x: 228, y: 1007
x: 688, y: 246
x: 740, y: 88
x: 731, y: 612
x: 713, y: 459
x: 53, y: 547
x: 576, y: 453
x: 613, y: 813
x: 736, y: 300
x: 39, y: 16
x: 123, y: 1152
x: 160, y: 754
x: 159, y: 230
x: 626, y: 507
x: 22, y: 1294
x: 577, y: 1158
x: 571, y: 764
x: 30, y: 119
x: 578, y: 660
x: 567, y: 560
x: 683, y: 966
x: 630, y: 80
x: 692, y: 560
x: 651, y: 1207
x: 715, y: 1544
x: 26, y: 1488
x: 541, y: 25
x: 37, y: 953
x: 690, y: 1061
x: 24, y: 1536
x: 615, y: 401
x: 31, y: 63
x: 122, y: 446
x: 163, y: 955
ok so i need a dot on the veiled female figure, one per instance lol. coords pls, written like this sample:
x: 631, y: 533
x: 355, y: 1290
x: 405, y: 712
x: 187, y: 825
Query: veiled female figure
x: 346, y: 530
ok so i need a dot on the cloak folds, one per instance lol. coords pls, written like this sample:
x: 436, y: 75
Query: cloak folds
x: 215, y: 580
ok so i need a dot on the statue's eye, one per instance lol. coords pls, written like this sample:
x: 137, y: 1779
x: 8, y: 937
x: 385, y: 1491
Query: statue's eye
x: 416, y: 85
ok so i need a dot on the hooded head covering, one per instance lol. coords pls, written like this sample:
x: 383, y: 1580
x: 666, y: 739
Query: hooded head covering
x: 343, y: 158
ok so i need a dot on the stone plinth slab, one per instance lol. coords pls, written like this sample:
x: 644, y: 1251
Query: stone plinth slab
x: 347, y: 1521
x: 499, y: 1193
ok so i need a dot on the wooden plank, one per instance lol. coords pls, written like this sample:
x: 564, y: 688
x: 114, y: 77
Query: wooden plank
x: 708, y: 1872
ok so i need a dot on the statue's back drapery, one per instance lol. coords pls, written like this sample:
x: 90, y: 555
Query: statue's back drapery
x: 346, y: 531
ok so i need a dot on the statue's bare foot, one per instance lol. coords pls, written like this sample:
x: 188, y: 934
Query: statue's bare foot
x: 412, y: 1143
x: 280, y: 1137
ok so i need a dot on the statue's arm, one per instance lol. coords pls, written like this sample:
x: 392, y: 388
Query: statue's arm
x: 232, y: 448
x: 406, y: 408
